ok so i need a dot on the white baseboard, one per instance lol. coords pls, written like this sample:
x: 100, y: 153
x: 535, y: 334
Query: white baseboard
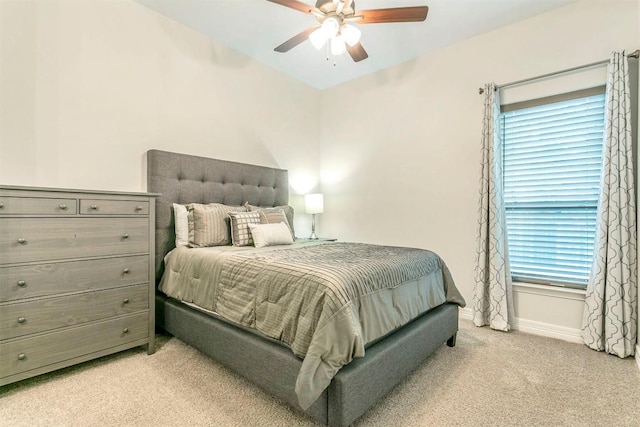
x: 466, y: 313
x: 538, y: 328
x: 549, y: 330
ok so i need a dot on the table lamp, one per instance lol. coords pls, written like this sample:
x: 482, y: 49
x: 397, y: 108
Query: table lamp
x: 313, y: 204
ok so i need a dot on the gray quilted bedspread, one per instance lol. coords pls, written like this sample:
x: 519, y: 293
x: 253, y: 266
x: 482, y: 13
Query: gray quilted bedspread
x: 325, y: 301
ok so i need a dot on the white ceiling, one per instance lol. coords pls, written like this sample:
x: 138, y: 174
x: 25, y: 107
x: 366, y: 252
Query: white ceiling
x: 255, y: 27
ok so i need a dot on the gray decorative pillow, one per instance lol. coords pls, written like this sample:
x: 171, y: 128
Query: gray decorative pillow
x: 209, y: 224
x: 240, y: 232
x: 288, y: 212
x: 274, y: 216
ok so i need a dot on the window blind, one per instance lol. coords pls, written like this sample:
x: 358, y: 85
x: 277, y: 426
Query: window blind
x: 552, y: 163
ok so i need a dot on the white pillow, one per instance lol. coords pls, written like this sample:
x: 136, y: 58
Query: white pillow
x: 270, y: 234
x: 180, y: 215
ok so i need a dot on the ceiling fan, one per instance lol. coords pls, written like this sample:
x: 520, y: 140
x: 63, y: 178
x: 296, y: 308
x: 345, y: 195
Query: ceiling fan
x: 335, y: 18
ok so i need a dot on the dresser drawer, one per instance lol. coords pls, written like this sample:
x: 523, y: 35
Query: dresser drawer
x: 29, y: 353
x: 41, y: 239
x: 113, y: 207
x: 38, y: 280
x: 37, y: 206
x: 47, y: 314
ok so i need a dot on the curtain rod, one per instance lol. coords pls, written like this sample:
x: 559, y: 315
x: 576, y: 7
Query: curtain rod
x: 634, y: 54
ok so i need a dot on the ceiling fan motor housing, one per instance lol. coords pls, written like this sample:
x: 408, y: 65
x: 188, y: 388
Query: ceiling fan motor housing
x: 329, y: 8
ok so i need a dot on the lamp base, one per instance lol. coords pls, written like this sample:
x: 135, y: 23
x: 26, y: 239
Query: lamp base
x: 313, y: 228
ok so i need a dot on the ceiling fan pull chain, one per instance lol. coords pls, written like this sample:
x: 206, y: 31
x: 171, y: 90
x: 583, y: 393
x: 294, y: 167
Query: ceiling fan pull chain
x: 329, y: 56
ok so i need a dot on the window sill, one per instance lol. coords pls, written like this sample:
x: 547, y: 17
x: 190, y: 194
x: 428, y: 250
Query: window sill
x: 549, y: 291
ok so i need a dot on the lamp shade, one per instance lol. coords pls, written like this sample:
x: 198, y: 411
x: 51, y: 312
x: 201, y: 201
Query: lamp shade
x: 313, y: 203
x: 337, y: 46
x: 330, y: 26
x: 351, y: 34
x: 318, y: 38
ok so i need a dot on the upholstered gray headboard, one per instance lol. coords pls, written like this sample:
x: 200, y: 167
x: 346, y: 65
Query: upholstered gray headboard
x: 182, y: 178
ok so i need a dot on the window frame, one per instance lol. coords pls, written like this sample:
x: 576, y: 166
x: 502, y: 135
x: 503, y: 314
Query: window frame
x: 576, y: 94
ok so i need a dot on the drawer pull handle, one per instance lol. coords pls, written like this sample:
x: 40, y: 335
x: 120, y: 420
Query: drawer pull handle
x: 22, y: 240
x: 125, y: 271
x: 138, y: 208
x: 125, y: 301
x: 22, y: 356
x: 94, y: 207
x: 63, y: 207
x: 1, y: 205
x: 22, y: 283
x: 21, y: 319
x: 125, y: 331
x: 125, y: 236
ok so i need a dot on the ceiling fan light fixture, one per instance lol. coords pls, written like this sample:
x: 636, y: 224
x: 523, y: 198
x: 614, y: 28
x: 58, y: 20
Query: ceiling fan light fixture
x: 351, y: 34
x: 338, y: 46
x: 335, y: 17
x: 318, y: 38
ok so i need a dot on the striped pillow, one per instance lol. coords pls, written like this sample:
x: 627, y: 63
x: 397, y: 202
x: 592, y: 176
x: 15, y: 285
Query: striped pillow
x: 209, y: 224
x: 240, y: 232
x: 288, y: 212
x: 274, y: 216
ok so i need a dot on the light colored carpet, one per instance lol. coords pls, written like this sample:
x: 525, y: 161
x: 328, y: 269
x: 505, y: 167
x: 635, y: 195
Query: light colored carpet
x: 489, y: 379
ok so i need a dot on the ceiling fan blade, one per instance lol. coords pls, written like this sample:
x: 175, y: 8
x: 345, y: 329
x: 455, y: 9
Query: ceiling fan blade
x: 296, y: 40
x: 397, y: 14
x: 294, y: 4
x: 357, y: 52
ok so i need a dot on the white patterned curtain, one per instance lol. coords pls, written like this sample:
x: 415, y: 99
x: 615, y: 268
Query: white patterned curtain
x: 610, y: 317
x: 492, y: 294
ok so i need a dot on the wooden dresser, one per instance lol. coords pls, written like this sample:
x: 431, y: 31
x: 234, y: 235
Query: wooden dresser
x: 76, y: 277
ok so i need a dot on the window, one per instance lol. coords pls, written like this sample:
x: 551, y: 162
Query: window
x: 552, y: 163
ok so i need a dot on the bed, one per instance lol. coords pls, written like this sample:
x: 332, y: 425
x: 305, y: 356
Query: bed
x: 266, y: 362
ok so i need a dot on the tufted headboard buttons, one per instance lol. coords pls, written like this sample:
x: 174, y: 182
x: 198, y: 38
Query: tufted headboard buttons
x: 183, y: 178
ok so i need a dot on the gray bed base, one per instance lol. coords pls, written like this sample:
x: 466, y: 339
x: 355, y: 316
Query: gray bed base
x: 274, y: 368
x: 181, y: 178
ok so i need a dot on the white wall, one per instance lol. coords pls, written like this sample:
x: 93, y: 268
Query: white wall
x: 404, y: 167
x: 88, y: 86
